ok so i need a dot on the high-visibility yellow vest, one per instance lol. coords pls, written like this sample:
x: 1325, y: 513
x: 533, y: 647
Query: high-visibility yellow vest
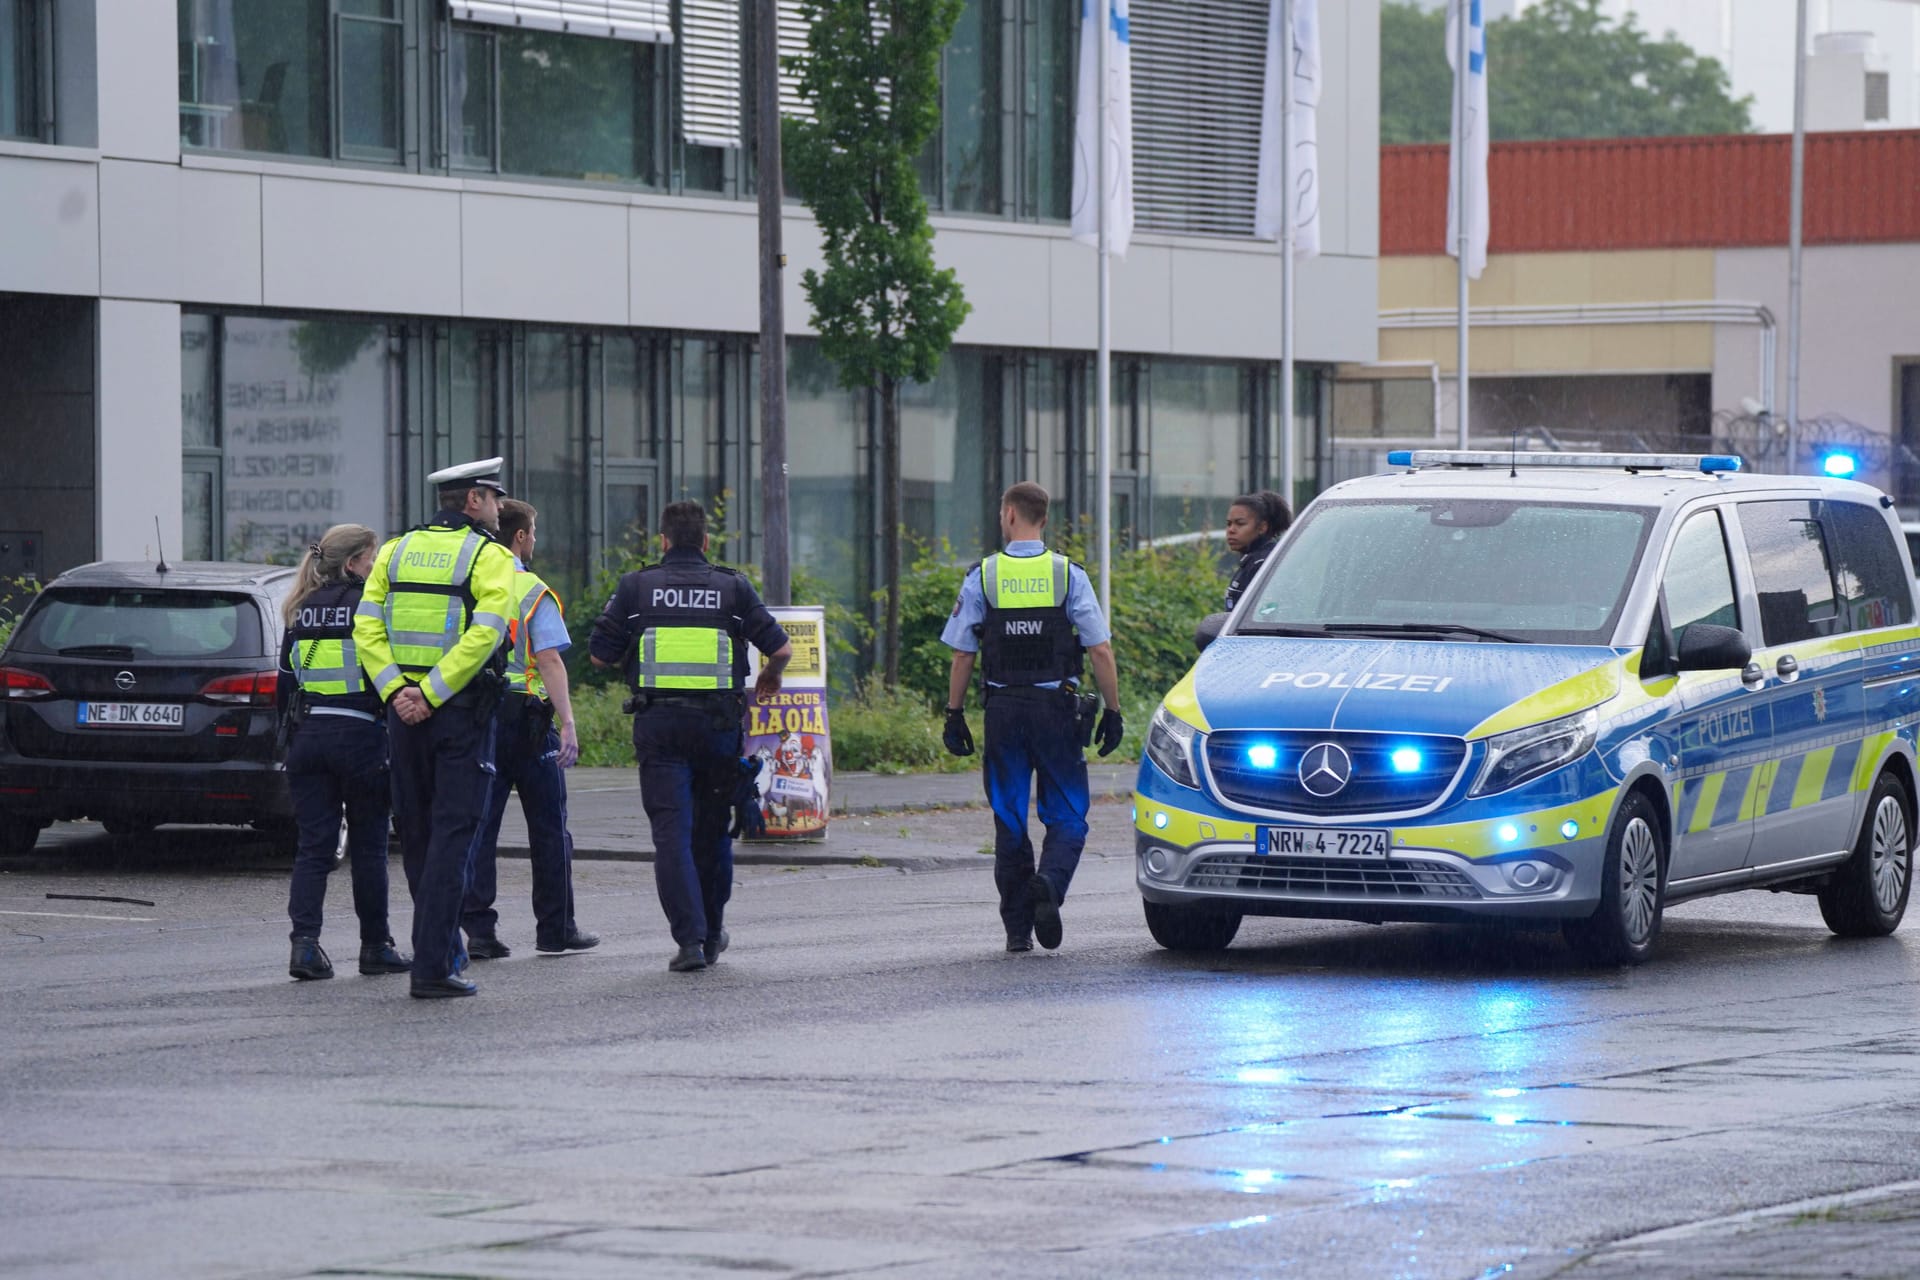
x: 435, y: 610
x: 323, y: 657
x: 1027, y: 636
x: 522, y: 675
x: 686, y: 658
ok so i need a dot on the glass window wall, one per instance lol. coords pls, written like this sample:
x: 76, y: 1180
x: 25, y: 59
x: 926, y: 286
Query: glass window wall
x: 972, y: 114
x: 19, y: 69
x: 946, y: 441
x: 254, y: 76
x: 554, y: 467
x: 1200, y: 427
x: 576, y: 107
x: 829, y: 503
x: 302, y: 430
x: 370, y: 38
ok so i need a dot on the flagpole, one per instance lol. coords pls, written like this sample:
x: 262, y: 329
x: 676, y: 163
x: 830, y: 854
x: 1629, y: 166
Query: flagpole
x: 1103, y: 361
x: 1796, y: 207
x: 1462, y: 72
x: 1288, y: 234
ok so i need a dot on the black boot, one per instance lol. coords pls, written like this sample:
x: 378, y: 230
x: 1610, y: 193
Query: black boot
x: 309, y: 961
x: 380, y: 957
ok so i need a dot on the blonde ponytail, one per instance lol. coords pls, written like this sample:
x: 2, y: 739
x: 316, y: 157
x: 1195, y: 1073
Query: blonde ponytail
x: 325, y: 562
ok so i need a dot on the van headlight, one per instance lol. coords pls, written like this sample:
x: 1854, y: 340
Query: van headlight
x: 1525, y: 754
x: 1170, y: 745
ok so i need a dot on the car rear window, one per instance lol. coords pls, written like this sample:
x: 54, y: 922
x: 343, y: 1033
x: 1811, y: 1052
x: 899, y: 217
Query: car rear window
x: 131, y: 623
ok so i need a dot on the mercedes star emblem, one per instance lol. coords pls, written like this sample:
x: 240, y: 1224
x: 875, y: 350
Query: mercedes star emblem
x: 1325, y: 770
x: 123, y: 681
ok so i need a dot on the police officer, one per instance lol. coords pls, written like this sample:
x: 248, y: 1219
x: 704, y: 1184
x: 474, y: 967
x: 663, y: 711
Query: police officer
x: 534, y: 741
x: 336, y: 755
x: 1255, y: 522
x: 1029, y: 616
x: 681, y: 629
x: 431, y: 629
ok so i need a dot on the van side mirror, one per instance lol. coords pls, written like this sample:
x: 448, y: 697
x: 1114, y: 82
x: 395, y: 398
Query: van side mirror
x: 1706, y: 647
x: 1209, y: 630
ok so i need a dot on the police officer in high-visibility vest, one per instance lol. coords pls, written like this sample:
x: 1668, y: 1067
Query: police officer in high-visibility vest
x: 534, y: 741
x: 432, y: 634
x: 336, y: 753
x: 1029, y: 616
x: 681, y: 629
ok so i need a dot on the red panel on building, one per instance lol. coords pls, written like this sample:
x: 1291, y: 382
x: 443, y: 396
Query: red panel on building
x: 1662, y: 193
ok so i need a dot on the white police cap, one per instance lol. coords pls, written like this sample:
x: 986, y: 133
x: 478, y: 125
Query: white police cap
x: 484, y: 474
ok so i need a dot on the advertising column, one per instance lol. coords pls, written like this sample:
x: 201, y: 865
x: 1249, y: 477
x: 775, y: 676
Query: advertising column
x: 787, y: 733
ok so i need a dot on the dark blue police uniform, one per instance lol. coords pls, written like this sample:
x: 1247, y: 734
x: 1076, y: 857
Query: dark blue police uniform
x: 687, y: 739
x: 336, y: 764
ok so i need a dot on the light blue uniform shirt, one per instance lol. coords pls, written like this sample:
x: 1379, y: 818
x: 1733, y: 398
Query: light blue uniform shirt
x: 1083, y: 607
x: 547, y: 630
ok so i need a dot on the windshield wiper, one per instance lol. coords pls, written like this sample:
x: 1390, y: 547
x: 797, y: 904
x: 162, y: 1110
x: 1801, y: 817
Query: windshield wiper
x: 1281, y: 629
x: 97, y: 651
x: 1421, y: 628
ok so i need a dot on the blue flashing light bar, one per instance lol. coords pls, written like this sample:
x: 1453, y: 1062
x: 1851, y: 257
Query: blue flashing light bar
x: 1840, y: 466
x: 1709, y: 463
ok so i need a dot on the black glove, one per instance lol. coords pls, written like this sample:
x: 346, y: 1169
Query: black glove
x: 749, y: 821
x: 1112, y: 729
x: 957, y: 737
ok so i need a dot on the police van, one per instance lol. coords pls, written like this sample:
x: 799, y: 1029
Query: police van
x: 1569, y: 689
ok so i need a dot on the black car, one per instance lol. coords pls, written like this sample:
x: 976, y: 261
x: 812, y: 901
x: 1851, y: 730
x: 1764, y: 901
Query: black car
x: 137, y: 695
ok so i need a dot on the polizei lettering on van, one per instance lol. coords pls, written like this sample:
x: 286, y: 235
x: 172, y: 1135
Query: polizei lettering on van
x: 1377, y: 681
x: 686, y: 597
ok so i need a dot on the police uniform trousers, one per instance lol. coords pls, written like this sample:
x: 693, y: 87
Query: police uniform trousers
x: 689, y: 756
x: 442, y: 788
x: 337, y: 764
x: 533, y: 769
x: 1031, y: 735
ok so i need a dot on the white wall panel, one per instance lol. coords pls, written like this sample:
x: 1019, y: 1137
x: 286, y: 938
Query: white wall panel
x: 698, y: 270
x: 49, y: 225
x: 138, y: 43
x: 139, y: 413
x: 1004, y: 276
x: 563, y: 261
x: 350, y: 246
x: 189, y: 235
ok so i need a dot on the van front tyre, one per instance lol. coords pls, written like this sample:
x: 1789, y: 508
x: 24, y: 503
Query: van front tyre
x: 1625, y: 926
x: 1867, y: 895
x: 1191, y: 928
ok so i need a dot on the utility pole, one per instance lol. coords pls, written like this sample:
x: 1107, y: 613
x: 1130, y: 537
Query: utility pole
x: 776, y: 551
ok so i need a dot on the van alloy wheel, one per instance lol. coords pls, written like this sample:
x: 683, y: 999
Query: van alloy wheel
x: 1866, y: 896
x: 1639, y: 880
x: 1625, y: 923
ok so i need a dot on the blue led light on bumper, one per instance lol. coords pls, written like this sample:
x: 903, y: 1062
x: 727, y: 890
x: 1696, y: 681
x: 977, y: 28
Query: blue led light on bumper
x: 1508, y: 832
x: 1262, y: 756
x: 1406, y: 760
x: 1569, y: 829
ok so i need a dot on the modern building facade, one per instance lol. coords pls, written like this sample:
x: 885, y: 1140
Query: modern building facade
x: 267, y: 263
x: 1636, y: 295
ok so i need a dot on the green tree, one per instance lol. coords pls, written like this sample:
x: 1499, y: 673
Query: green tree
x: 885, y: 313
x: 1561, y: 70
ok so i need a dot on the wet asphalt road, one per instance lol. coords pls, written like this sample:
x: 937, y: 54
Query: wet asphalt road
x: 866, y: 1084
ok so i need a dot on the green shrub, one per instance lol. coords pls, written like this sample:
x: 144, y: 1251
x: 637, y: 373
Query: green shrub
x: 896, y: 732
x: 606, y: 732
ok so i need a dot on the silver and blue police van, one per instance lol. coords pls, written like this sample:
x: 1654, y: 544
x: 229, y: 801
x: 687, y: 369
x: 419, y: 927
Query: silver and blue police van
x: 1567, y: 689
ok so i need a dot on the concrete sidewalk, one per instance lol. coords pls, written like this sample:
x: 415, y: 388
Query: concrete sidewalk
x: 878, y: 819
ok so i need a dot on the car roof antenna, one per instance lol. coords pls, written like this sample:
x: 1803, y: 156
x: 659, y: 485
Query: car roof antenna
x: 161, y: 546
x: 1513, y: 457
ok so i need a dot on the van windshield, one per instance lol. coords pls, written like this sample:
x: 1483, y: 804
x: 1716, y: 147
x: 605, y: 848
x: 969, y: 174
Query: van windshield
x: 1453, y: 569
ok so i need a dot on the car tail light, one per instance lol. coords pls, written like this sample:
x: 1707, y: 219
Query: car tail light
x: 25, y: 684
x: 255, y: 688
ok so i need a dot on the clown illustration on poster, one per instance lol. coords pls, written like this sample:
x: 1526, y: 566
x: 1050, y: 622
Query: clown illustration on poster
x: 787, y: 733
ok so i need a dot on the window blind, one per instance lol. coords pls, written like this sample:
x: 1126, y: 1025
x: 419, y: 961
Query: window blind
x: 615, y: 19
x: 710, y: 69
x: 1198, y: 73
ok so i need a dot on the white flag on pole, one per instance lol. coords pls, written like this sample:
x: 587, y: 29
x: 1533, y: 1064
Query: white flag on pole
x: 1304, y: 179
x: 1086, y: 116
x: 1469, y: 145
